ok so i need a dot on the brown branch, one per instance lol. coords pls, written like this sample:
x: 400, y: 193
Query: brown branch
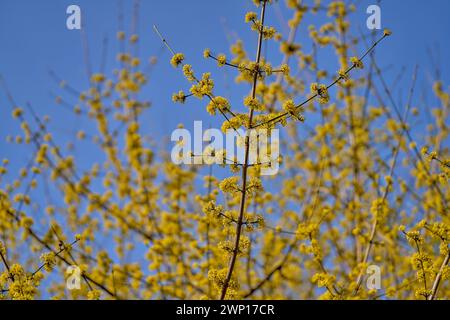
x: 438, y: 278
x: 5, y: 262
x: 245, y: 166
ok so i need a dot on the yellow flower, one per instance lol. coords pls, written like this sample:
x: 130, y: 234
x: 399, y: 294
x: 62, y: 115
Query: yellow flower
x: 217, y: 103
x: 289, y: 106
x: 343, y: 75
x: 387, y: 32
x: 285, y: 69
x: 177, y: 59
x: 97, y: 78
x: 206, y: 53
x: 203, y: 87
x: 179, y: 97
x: 210, y: 209
x: 323, y: 279
x: 26, y: 222
x: 250, y: 16
x: 433, y: 155
x: 120, y: 35
x: 81, y: 135
x: 221, y: 60
x: 94, y: 295
x: 424, y: 150
x: 388, y: 180
x: 229, y: 185
x: 321, y: 91
x: 2, y: 249
x: 379, y: 209
x: 134, y: 38
x: 269, y: 32
x: 357, y: 63
x: 253, y: 103
x: 17, y: 112
x: 188, y: 72
x: 390, y: 292
x: 49, y: 260
x: 135, y: 62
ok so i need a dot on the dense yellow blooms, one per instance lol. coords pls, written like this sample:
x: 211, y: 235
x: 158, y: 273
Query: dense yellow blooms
x: 321, y: 91
x: 179, y: 97
x: 203, y: 87
x: 250, y: 16
x: 221, y: 60
x: 49, y: 261
x: 218, y: 103
x: 177, y: 59
x: 253, y: 103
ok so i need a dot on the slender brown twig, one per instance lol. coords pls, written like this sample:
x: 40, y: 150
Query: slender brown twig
x: 245, y: 166
x: 438, y: 278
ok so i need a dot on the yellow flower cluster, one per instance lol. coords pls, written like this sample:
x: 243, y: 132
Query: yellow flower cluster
x: 206, y: 53
x: 221, y: 60
x: 49, y: 261
x: 177, y: 59
x: 290, y: 107
x: 218, y: 276
x: 2, y: 249
x: 188, y: 72
x: 98, y: 78
x: 321, y: 91
x: 23, y: 286
x: 250, y: 16
x: 323, y: 280
x: 94, y: 295
x: 253, y: 103
x: 229, y: 185
x: 217, y: 103
x: 179, y: 97
x: 357, y: 62
x: 17, y: 112
x: 204, y: 87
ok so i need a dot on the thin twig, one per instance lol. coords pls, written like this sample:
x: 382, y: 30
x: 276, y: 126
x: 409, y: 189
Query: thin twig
x: 438, y: 278
x: 245, y: 166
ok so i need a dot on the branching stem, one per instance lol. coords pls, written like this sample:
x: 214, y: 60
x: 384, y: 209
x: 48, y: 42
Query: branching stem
x: 245, y: 166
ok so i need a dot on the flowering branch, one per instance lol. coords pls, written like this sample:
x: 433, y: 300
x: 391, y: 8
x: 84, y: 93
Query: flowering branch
x: 342, y: 76
x: 245, y: 166
x: 438, y: 278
